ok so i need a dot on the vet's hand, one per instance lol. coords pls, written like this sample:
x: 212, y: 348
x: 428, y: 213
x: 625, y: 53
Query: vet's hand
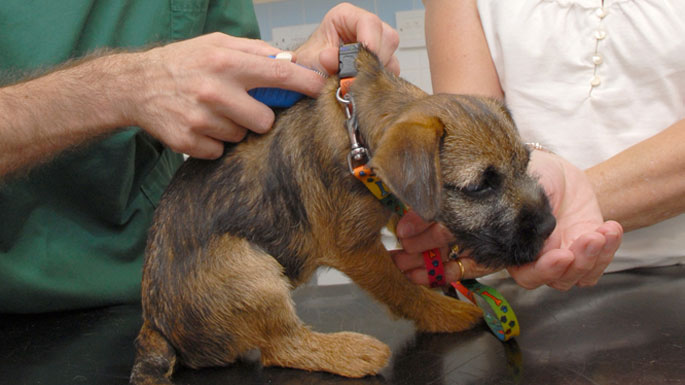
x: 576, y: 253
x: 346, y: 23
x: 192, y: 94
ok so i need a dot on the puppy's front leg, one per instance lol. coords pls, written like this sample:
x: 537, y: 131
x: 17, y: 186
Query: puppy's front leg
x: 375, y: 272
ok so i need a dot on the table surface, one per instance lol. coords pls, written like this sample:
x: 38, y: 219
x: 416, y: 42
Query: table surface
x: 629, y: 329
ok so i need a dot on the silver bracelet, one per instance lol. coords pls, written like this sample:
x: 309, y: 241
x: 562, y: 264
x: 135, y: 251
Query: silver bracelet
x: 537, y: 146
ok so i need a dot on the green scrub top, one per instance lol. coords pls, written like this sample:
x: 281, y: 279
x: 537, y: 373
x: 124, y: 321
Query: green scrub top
x: 73, y: 231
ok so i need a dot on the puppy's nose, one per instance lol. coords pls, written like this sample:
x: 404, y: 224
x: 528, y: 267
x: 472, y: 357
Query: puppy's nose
x: 546, y: 226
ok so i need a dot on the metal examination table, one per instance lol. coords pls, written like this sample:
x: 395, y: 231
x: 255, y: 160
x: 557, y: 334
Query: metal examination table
x: 629, y: 329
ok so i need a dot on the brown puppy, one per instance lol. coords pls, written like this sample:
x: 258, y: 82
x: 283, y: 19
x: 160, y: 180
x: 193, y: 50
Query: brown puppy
x: 232, y: 237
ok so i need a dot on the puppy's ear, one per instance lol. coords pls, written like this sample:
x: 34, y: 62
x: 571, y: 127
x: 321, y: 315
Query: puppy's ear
x: 407, y: 160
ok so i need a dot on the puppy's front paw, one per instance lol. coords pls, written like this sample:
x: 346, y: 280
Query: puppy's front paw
x: 446, y: 314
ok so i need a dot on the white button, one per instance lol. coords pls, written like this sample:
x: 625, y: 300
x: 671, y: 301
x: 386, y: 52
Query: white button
x: 600, y: 12
x: 600, y: 34
x: 595, y: 81
x: 597, y: 59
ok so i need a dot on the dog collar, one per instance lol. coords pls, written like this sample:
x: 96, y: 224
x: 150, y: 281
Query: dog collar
x: 347, y: 66
x: 503, y: 323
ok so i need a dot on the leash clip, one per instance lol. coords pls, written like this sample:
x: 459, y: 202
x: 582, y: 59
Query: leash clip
x: 358, y: 153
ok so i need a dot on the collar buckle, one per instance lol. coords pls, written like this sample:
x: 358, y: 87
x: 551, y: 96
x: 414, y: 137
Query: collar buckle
x: 358, y: 154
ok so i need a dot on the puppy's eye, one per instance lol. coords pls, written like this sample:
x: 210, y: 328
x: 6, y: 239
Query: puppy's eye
x: 477, y: 190
x: 489, y: 182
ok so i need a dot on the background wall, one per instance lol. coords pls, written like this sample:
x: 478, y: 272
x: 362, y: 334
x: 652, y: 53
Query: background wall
x: 287, y: 23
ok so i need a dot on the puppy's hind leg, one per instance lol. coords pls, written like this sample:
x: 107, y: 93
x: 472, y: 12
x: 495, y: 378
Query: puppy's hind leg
x: 263, y: 316
x: 345, y: 353
x: 290, y: 343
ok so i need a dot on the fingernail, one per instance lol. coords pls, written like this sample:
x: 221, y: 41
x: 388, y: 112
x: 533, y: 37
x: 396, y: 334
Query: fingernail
x: 285, y: 55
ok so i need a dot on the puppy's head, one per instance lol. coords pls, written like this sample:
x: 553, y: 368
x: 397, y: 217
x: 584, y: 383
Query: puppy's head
x: 459, y: 160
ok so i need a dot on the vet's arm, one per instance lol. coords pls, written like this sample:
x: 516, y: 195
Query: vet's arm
x: 645, y: 183
x: 41, y: 117
x: 191, y: 95
x: 460, y: 61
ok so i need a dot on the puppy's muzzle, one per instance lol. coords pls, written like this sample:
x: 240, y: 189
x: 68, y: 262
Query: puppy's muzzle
x: 535, y: 224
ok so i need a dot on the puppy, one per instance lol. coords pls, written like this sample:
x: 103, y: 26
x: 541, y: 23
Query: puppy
x: 232, y: 237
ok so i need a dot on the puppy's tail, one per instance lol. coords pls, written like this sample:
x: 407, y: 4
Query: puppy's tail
x: 155, y: 358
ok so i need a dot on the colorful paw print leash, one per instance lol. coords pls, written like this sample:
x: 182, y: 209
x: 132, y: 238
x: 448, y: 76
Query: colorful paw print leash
x: 498, y: 314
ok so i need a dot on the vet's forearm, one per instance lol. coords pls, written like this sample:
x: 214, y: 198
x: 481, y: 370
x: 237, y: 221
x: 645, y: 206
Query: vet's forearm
x: 458, y: 52
x: 644, y: 184
x: 46, y: 115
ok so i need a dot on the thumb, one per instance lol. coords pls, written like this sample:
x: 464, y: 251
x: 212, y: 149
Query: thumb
x: 411, y: 224
x: 328, y: 59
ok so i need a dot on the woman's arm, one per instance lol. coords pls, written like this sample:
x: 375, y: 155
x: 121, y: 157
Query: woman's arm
x: 460, y: 61
x: 645, y: 183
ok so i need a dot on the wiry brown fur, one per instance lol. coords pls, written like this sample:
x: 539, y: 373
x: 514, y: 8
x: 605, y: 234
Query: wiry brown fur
x: 232, y: 237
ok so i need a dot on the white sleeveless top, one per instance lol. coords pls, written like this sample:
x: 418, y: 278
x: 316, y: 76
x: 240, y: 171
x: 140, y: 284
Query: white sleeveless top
x: 588, y: 81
